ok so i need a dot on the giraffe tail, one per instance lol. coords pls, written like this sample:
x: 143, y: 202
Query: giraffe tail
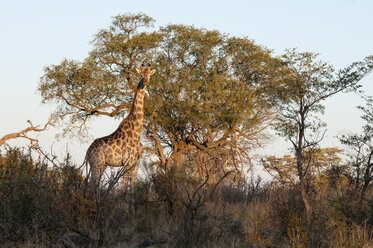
x: 86, y: 168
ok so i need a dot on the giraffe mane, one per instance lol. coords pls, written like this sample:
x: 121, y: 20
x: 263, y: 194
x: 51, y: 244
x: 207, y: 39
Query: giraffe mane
x: 133, y: 101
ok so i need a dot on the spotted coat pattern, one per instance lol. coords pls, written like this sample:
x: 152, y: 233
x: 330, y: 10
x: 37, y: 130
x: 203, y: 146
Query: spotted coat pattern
x: 123, y: 147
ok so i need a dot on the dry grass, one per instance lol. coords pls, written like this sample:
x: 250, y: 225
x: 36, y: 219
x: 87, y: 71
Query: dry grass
x: 38, y: 205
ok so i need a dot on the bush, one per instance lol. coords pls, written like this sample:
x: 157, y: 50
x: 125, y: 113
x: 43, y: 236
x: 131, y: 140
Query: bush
x: 40, y: 204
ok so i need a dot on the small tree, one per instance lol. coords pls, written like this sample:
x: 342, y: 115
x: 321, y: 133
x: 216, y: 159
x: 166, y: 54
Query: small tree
x: 318, y: 161
x: 298, y: 102
x: 360, y: 147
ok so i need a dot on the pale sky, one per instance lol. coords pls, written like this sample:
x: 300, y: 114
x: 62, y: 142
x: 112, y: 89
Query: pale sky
x: 35, y: 34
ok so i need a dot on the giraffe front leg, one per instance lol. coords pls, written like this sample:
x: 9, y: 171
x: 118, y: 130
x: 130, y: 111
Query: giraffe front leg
x: 130, y: 175
x: 96, y: 171
x: 127, y: 172
x: 136, y: 165
x: 133, y: 175
x: 125, y: 181
x: 129, y: 179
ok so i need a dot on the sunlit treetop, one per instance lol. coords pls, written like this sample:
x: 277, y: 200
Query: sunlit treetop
x: 203, y: 77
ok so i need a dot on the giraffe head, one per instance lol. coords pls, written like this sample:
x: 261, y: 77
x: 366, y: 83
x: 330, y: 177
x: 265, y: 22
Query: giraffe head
x: 145, y: 73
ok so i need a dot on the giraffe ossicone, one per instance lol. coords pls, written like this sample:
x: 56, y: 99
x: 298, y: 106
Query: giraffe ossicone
x: 123, y: 147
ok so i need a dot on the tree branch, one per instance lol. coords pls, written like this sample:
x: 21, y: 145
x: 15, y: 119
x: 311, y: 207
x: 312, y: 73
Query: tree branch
x: 23, y: 133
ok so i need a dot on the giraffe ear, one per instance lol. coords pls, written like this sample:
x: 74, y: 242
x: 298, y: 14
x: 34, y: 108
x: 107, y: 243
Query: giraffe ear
x: 138, y: 70
x: 152, y: 72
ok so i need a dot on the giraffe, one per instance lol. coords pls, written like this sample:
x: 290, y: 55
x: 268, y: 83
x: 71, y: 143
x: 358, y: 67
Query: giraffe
x: 123, y: 147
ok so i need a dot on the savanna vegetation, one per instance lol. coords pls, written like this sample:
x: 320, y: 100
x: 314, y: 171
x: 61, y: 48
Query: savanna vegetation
x: 210, y: 106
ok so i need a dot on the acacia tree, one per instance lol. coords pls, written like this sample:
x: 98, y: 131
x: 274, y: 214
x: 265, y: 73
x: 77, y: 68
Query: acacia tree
x: 298, y: 103
x: 207, y: 101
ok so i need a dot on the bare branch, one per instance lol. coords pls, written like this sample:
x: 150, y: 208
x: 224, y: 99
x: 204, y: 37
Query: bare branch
x: 23, y: 133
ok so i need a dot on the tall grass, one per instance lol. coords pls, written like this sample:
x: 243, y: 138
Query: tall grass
x: 42, y: 205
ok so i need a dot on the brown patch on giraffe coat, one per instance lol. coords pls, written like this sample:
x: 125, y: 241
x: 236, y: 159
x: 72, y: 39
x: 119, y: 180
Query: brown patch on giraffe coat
x: 129, y: 133
x: 138, y: 124
x: 133, y: 151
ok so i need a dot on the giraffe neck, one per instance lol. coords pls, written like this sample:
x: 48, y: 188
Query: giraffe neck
x: 135, y: 118
x: 137, y: 108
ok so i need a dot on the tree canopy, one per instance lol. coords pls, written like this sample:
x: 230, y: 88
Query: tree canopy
x: 210, y: 91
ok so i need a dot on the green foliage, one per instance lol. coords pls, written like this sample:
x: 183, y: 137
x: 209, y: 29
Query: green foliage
x: 201, y: 81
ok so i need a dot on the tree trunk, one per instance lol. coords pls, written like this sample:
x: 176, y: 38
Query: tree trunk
x: 363, y: 191
x: 306, y: 201
x: 301, y: 170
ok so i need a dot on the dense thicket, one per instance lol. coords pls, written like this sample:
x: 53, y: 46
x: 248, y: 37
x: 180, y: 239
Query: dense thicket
x: 41, y: 207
